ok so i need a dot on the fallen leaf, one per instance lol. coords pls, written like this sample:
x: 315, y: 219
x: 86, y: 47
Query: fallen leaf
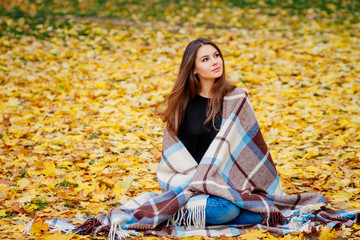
x: 121, y: 187
x: 254, y: 234
x: 49, y: 170
x: 39, y: 227
x: 327, y: 234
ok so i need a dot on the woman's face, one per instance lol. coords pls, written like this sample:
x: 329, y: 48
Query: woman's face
x: 208, y: 63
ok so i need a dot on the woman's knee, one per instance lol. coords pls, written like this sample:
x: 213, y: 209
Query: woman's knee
x: 220, y: 211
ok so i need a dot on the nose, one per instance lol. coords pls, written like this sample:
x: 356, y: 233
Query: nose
x: 214, y: 61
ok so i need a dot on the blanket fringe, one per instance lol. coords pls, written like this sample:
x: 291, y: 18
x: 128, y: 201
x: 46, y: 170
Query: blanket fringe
x: 177, y: 218
x: 273, y: 219
x: 88, y: 227
x: 189, y: 217
x: 27, y: 228
x: 117, y: 232
x: 195, y: 217
x: 65, y: 227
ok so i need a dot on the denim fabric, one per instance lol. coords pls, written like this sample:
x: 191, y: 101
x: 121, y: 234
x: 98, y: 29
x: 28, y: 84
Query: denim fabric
x: 247, y: 217
x: 220, y: 211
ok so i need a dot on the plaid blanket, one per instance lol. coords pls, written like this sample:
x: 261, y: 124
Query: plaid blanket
x: 238, y: 167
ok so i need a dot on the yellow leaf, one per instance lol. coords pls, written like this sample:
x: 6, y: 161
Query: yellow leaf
x: 8, y: 141
x: 312, y: 169
x: 271, y: 237
x: 311, y: 153
x: 2, y: 213
x: 49, y: 170
x: 317, y: 206
x: 39, y: 227
x: 288, y: 171
x: 31, y: 207
x: 97, y: 168
x: 355, y: 205
x: 120, y: 188
x: 117, y: 191
x: 253, y: 234
x: 348, y: 156
x: 85, y: 186
x: 327, y: 234
x: 356, y: 226
x: 339, y: 141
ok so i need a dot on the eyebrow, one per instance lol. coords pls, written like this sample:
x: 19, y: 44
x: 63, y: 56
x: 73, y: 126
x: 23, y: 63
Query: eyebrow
x: 208, y: 55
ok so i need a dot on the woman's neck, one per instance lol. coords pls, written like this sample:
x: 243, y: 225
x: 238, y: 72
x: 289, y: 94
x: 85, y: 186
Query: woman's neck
x: 206, y: 88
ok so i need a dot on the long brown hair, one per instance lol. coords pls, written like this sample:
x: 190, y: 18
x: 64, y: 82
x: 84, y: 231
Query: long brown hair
x: 187, y: 85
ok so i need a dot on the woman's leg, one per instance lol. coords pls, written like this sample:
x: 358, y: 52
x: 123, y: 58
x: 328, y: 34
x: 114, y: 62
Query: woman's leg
x: 219, y: 210
x: 247, y: 217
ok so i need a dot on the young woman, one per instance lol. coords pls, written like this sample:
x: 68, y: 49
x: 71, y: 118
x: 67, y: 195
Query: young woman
x: 193, y: 114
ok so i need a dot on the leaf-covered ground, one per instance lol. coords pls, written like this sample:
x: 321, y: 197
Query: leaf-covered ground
x: 79, y: 82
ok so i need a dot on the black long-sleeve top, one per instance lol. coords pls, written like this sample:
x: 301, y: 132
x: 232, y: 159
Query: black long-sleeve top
x: 193, y: 133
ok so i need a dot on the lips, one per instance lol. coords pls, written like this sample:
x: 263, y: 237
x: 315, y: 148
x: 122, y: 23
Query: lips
x: 216, y: 69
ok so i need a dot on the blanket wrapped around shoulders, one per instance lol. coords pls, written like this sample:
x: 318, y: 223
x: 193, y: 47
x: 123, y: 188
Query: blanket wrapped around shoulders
x: 238, y: 167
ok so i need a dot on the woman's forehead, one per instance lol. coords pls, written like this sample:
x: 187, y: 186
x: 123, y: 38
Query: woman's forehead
x: 206, y: 50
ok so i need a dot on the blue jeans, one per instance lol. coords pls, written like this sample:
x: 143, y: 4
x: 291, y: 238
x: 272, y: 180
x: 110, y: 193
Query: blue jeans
x: 220, y: 211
